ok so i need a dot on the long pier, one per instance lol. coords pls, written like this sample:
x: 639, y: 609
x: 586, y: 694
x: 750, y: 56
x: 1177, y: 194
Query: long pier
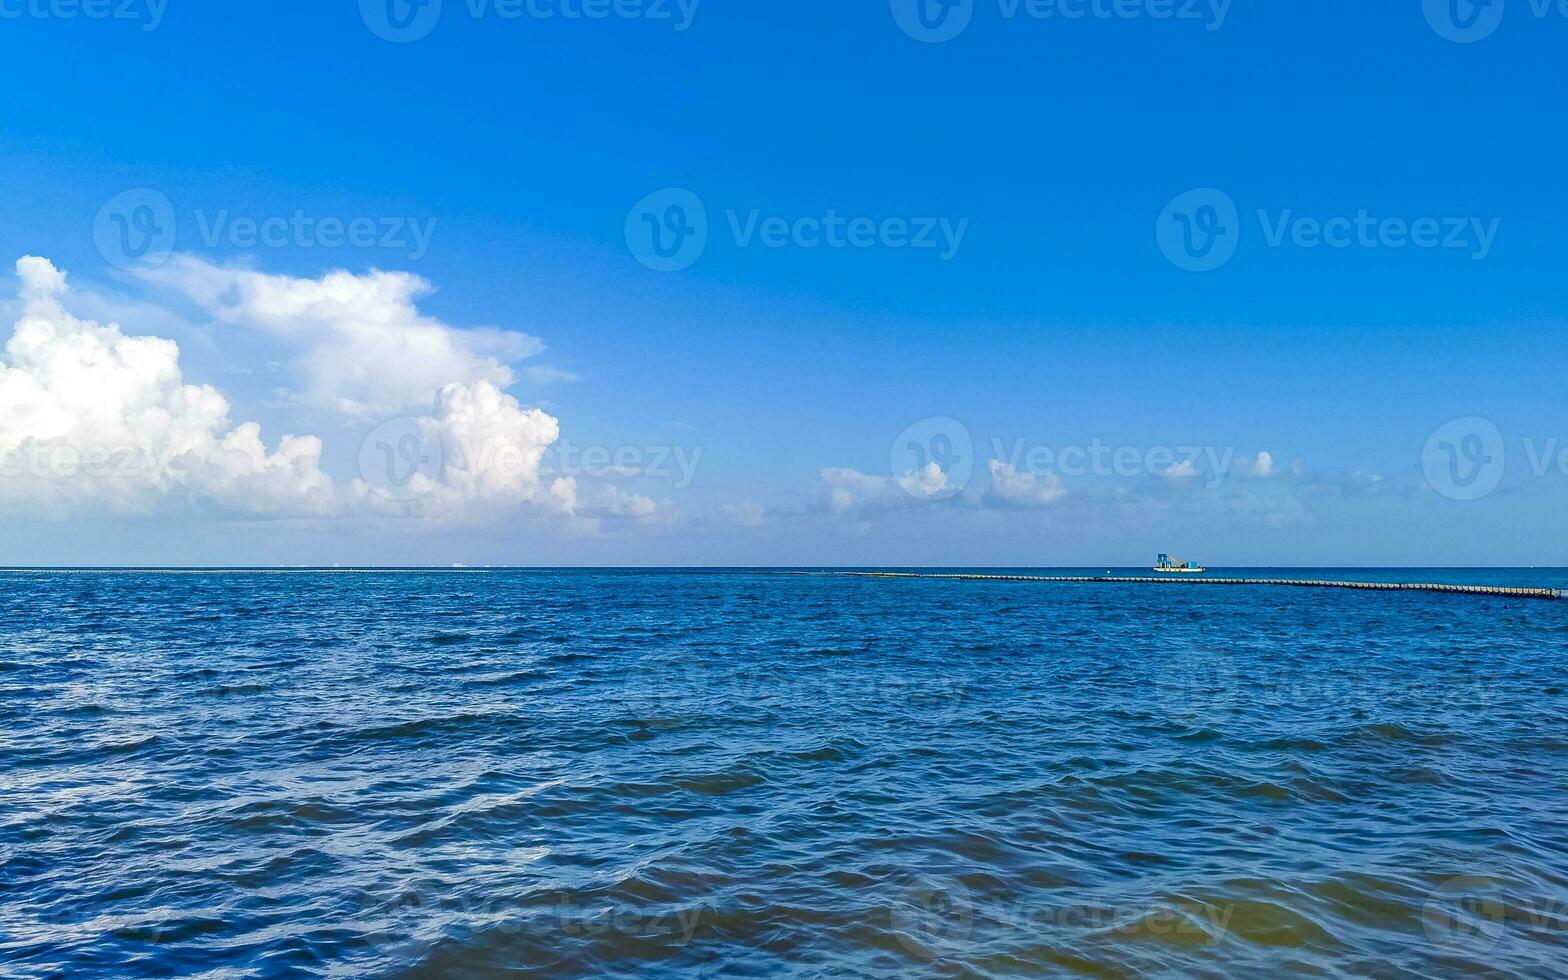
x: 1492, y: 590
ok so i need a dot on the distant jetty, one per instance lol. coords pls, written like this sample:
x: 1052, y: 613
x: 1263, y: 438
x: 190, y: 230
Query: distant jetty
x: 1511, y: 592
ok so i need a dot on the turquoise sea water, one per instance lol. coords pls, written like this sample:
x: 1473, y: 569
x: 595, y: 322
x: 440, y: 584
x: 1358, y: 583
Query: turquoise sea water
x: 747, y: 773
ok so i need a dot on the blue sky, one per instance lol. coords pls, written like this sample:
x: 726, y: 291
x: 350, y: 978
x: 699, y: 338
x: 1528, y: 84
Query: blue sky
x: 524, y: 145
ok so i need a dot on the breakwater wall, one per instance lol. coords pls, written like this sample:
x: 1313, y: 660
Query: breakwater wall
x: 1492, y: 590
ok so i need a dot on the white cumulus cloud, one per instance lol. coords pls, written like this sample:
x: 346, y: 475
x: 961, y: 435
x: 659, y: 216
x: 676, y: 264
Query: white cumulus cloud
x: 362, y: 346
x: 850, y: 491
x: 1183, y: 469
x: 612, y: 502
x: 94, y: 417
x: 925, y: 483
x: 1024, y: 489
x: 90, y: 415
x: 745, y: 514
x: 489, y: 448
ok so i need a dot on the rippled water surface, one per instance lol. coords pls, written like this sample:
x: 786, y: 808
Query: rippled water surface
x: 600, y: 773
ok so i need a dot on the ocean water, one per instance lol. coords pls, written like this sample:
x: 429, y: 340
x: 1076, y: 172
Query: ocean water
x: 592, y: 773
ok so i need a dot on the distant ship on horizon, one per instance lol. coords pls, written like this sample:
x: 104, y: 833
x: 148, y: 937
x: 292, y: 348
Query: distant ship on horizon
x: 1172, y: 564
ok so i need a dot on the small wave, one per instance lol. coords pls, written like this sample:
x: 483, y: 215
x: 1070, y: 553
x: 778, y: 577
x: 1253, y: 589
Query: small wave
x: 228, y: 690
x: 1391, y: 731
x: 718, y: 783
